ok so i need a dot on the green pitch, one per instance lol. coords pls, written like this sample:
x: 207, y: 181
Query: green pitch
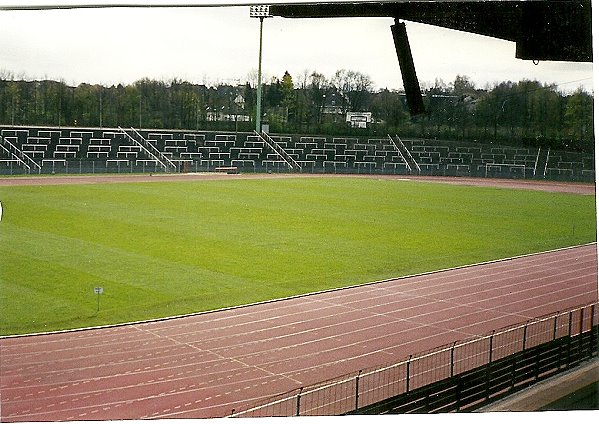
x: 163, y: 249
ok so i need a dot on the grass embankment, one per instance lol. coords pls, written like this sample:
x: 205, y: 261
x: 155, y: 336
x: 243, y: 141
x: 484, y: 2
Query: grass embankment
x: 161, y: 249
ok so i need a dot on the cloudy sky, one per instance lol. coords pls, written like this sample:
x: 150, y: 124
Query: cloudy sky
x: 209, y: 45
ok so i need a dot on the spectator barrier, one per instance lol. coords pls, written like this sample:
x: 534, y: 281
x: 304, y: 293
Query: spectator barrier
x: 458, y: 377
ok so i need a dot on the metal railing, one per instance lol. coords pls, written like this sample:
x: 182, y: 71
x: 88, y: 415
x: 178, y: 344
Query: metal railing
x: 150, y: 150
x: 282, y: 153
x: 561, y: 334
x: 19, y: 155
x: 408, y: 154
x: 398, y: 150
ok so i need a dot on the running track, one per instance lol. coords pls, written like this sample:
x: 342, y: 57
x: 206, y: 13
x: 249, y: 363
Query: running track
x: 206, y: 365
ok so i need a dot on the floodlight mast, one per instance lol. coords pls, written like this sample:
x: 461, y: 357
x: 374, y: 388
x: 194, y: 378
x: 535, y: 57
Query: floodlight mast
x: 259, y: 12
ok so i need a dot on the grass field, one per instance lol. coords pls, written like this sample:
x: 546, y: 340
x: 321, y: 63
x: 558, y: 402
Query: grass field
x: 162, y: 249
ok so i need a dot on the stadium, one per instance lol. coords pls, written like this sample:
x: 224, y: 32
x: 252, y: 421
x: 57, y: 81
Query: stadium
x: 182, y: 274
x: 167, y: 273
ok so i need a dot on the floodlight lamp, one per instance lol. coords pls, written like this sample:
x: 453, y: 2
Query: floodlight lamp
x: 260, y: 12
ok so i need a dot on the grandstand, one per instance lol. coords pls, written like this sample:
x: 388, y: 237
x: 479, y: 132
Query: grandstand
x: 25, y: 150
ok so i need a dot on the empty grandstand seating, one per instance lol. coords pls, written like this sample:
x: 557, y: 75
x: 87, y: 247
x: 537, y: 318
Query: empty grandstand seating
x: 47, y: 150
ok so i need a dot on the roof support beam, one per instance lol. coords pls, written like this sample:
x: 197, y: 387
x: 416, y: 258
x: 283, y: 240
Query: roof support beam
x: 408, y: 70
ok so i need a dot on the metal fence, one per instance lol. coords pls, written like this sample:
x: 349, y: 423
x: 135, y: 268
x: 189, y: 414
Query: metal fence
x: 466, y: 370
x: 88, y: 166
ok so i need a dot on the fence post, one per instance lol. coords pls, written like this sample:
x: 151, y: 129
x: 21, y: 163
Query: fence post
x: 569, y: 356
x: 488, y: 383
x: 299, y: 396
x: 537, y: 360
x: 408, y: 374
x: 452, y: 357
x: 524, y: 337
x: 491, y: 347
x: 458, y: 394
x: 559, y: 344
x: 580, y: 331
x: 592, y: 337
x: 357, y: 387
x: 514, y: 364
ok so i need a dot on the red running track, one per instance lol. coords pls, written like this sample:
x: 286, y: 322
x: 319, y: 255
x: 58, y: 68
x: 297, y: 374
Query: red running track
x: 206, y: 365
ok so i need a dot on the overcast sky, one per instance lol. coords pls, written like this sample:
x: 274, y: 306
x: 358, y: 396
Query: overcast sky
x: 208, y: 45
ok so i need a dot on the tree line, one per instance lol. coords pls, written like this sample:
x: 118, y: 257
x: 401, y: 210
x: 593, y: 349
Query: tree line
x: 525, y: 112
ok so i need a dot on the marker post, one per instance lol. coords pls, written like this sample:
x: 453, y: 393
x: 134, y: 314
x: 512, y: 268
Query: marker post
x: 98, y: 291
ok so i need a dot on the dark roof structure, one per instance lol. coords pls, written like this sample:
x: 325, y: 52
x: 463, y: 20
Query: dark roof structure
x: 556, y: 30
